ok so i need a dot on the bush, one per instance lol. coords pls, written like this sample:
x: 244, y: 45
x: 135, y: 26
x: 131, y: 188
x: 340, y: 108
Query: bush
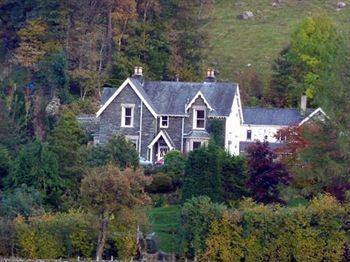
x: 174, y: 166
x: 256, y: 232
x: 53, y: 236
x: 161, y: 183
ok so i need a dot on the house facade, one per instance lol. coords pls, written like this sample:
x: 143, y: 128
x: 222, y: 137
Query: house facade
x: 159, y: 116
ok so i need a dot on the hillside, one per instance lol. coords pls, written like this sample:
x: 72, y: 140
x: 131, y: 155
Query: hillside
x: 235, y: 43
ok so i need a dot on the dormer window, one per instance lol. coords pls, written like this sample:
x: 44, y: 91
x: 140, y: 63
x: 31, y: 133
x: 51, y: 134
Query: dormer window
x: 199, y: 119
x: 127, y: 115
x: 164, y: 122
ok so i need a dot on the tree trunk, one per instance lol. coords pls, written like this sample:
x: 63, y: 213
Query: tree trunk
x: 102, y: 239
x: 109, y: 35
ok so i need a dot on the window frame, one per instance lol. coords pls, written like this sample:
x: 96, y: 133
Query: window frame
x: 195, y: 118
x: 161, y: 122
x: 123, y: 118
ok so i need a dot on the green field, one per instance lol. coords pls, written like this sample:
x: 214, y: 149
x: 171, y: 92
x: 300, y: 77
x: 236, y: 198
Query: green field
x: 164, y: 222
x: 235, y: 43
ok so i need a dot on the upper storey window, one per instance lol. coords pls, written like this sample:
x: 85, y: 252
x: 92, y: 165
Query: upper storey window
x: 128, y: 115
x: 199, y: 119
x: 164, y: 122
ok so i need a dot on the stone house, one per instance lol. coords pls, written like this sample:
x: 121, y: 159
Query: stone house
x: 159, y: 116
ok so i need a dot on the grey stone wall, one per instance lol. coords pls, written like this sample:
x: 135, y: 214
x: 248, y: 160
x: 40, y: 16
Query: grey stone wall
x: 189, y: 120
x: 174, y: 130
x: 110, y: 120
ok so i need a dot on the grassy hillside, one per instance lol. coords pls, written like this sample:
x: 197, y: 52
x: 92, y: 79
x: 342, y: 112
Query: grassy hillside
x: 235, y: 43
x: 164, y: 222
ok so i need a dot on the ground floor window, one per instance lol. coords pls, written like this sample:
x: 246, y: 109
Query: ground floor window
x: 196, y: 145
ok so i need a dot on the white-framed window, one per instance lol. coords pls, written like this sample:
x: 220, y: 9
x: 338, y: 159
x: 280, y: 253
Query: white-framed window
x: 164, y: 122
x: 128, y: 115
x: 249, y: 134
x: 199, y: 119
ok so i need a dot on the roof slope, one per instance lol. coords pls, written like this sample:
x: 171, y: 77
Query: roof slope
x: 272, y: 116
x: 170, y: 98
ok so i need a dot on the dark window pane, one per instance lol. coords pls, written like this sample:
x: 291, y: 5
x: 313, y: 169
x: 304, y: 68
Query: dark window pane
x: 249, y: 134
x: 128, y: 121
x: 200, y: 113
x: 196, y: 145
x: 200, y: 123
x: 128, y: 111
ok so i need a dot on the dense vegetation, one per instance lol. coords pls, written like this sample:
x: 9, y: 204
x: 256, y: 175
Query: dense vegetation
x: 61, y: 196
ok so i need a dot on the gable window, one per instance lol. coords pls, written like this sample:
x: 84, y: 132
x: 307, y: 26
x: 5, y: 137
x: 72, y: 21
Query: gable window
x: 199, y: 119
x: 127, y: 115
x: 164, y: 121
x: 249, y: 134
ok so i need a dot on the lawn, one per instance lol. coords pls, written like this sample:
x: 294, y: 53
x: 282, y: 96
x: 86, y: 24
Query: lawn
x: 164, y: 222
x: 235, y: 43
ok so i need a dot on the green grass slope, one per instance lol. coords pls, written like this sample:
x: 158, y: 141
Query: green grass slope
x: 235, y: 43
x: 164, y: 222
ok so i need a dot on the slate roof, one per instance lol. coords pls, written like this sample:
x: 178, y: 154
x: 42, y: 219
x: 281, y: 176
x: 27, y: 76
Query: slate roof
x: 273, y: 116
x: 197, y: 134
x: 170, y: 98
x: 107, y: 93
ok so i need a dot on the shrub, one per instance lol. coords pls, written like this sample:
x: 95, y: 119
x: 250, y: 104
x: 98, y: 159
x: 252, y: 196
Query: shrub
x: 256, y: 232
x: 161, y: 183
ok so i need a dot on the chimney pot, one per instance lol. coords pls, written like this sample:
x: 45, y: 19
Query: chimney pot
x: 138, y: 71
x: 210, y: 75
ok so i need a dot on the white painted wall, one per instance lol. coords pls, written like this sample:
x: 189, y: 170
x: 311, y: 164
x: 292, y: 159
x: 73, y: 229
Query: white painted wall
x: 233, y: 126
x: 259, y: 132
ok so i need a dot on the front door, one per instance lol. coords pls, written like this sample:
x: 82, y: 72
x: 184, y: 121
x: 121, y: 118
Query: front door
x: 163, y: 149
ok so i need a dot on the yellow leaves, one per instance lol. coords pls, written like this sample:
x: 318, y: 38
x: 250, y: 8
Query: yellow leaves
x: 273, y: 233
x: 32, y: 43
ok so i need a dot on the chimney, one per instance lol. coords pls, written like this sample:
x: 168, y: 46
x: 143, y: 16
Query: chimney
x: 210, y: 75
x: 138, y: 74
x: 303, y: 104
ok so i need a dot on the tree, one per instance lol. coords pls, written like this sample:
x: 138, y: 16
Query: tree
x: 316, y: 50
x: 5, y: 164
x: 202, y: 174
x: 174, y: 166
x: 234, y: 177
x: 211, y: 171
x: 32, y: 44
x: 106, y: 190
x: 22, y: 201
x: 197, y: 214
x: 188, y: 37
x: 65, y: 141
x: 265, y: 173
x: 280, y: 93
x: 36, y: 166
x: 53, y: 75
x: 122, y: 152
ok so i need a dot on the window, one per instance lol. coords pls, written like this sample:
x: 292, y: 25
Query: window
x: 249, y: 134
x: 199, y: 119
x: 164, y: 121
x: 127, y: 115
x: 196, y: 145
